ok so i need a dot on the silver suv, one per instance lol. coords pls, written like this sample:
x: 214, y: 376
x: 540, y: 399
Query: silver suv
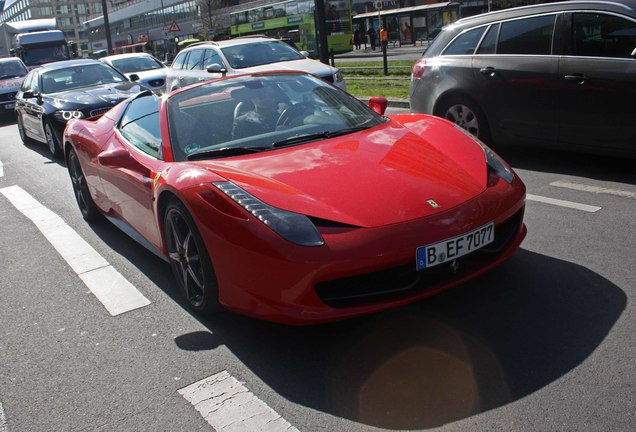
x: 209, y: 60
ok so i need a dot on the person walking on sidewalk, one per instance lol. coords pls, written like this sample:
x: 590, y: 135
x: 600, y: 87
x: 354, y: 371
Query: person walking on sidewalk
x: 371, y: 33
x: 384, y: 37
x: 356, y: 38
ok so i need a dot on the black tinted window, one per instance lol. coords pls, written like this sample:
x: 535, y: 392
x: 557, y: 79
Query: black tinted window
x: 601, y: 35
x: 527, y: 36
x: 465, y: 43
x: 140, y: 125
x: 489, y: 43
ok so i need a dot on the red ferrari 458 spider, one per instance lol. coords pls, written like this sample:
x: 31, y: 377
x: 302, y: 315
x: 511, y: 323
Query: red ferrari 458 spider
x: 282, y: 197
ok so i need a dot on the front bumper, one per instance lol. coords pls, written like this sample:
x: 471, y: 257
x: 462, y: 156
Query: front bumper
x: 359, y: 270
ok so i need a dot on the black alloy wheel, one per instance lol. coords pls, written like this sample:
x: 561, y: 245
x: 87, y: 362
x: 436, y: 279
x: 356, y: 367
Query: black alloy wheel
x: 80, y: 188
x: 189, y: 260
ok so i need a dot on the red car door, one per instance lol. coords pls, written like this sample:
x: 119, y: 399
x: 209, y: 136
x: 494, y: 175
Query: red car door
x: 128, y: 167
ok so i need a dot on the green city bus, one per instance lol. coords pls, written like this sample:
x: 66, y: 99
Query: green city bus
x: 294, y: 20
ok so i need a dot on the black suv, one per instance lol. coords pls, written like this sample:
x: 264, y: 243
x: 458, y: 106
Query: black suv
x: 560, y: 75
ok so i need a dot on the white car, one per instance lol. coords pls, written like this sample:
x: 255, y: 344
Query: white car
x: 151, y: 72
x: 209, y: 60
x: 12, y: 73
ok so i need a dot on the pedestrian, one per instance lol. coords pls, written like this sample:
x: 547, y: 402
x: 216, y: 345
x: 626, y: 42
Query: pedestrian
x: 384, y: 37
x: 356, y: 38
x: 371, y: 33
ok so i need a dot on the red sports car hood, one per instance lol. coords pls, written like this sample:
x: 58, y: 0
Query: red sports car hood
x: 410, y: 167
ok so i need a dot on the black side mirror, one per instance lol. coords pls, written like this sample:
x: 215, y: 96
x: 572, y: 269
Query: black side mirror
x: 134, y: 77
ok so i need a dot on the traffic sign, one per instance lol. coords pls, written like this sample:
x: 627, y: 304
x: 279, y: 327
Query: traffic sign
x: 174, y: 27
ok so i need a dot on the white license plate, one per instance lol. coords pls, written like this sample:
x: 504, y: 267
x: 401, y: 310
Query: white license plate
x: 450, y: 249
x: 9, y: 106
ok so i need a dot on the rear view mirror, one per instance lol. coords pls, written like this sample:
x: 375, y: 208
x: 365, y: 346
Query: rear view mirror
x: 134, y: 77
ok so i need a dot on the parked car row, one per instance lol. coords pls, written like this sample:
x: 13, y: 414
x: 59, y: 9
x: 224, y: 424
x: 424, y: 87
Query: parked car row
x: 561, y: 75
x: 57, y: 92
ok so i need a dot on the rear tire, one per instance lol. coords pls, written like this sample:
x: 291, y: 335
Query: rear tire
x: 467, y: 114
x: 189, y: 259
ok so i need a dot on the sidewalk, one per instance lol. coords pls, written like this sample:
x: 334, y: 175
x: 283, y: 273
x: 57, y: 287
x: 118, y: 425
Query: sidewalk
x: 405, y: 52
x: 410, y: 50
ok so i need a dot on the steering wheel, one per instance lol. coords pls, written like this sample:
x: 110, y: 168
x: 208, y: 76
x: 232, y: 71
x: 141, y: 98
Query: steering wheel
x: 292, y: 112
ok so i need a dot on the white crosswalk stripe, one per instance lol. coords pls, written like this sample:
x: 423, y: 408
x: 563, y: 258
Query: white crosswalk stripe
x: 107, y: 284
x: 594, y: 189
x: 562, y: 203
x: 3, y: 420
x: 228, y: 406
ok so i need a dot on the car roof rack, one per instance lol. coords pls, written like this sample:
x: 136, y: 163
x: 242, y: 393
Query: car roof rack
x: 254, y: 36
x: 202, y: 43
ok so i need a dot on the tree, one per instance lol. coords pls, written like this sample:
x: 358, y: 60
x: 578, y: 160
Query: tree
x: 207, y: 14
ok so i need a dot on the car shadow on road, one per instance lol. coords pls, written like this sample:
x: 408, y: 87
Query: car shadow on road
x: 474, y: 348
x: 477, y: 347
x: 596, y: 167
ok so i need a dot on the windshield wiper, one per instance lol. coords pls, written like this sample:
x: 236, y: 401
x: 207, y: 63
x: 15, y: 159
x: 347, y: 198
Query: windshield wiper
x: 301, y: 139
x: 224, y: 152
x: 11, y: 76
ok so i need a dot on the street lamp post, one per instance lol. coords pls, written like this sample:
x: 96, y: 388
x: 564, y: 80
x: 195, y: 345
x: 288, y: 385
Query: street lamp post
x: 109, y: 43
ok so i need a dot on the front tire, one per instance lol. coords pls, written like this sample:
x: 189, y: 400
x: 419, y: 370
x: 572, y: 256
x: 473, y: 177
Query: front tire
x: 80, y: 188
x: 467, y: 114
x: 51, y: 141
x: 23, y: 136
x: 189, y: 260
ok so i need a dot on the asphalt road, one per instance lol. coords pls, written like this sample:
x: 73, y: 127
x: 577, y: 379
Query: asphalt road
x: 545, y: 342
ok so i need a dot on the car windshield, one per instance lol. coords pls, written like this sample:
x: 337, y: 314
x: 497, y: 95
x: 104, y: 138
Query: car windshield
x: 259, y: 53
x: 136, y: 64
x: 75, y: 77
x: 261, y: 112
x: 12, y: 69
x: 37, y: 55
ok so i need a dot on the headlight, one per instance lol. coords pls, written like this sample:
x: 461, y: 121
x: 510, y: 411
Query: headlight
x: 294, y: 227
x: 337, y: 77
x: 496, y: 165
x: 68, y: 115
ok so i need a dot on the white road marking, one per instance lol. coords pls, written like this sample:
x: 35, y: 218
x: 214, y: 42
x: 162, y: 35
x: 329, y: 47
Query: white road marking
x: 3, y: 420
x: 107, y: 284
x: 1, y: 174
x: 594, y: 189
x: 561, y: 203
x: 228, y: 406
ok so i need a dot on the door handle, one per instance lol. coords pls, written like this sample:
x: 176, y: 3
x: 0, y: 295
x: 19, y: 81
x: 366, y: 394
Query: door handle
x: 489, y: 72
x: 575, y: 78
